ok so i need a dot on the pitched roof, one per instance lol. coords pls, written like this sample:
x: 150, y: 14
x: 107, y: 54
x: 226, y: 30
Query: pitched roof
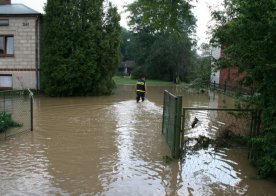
x: 17, y: 9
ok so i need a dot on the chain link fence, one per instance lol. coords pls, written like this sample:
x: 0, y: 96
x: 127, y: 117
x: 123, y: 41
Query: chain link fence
x: 221, y: 126
x: 203, y: 126
x: 237, y: 89
x: 16, y: 112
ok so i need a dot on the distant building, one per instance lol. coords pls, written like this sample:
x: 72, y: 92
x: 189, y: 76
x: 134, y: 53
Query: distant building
x: 229, y: 76
x: 19, y: 46
x: 126, y: 67
x: 215, y: 74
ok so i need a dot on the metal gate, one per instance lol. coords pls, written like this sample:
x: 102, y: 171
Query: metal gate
x: 171, y: 124
x: 207, y: 122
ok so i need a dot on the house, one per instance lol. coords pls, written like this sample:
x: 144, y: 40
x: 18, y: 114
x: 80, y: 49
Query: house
x: 126, y: 67
x: 230, y: 76
x: 19, y: 46
x: 215, y: 74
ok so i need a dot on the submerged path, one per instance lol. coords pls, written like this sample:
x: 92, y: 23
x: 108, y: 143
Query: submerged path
x: 114, y: 146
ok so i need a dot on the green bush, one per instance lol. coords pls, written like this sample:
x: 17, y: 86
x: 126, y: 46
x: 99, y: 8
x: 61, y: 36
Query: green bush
x: 137, y: 72
x: 6, y: 122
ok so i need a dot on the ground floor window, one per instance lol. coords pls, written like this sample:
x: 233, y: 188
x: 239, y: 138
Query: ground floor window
x: 6, y: 45
x: 5, y: 81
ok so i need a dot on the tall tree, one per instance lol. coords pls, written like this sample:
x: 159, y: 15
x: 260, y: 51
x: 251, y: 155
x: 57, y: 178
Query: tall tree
x: 161, y: 27
x: 169, y: 58
x: 80, y: 47
x: 247, y: 32
x: 161, y: 16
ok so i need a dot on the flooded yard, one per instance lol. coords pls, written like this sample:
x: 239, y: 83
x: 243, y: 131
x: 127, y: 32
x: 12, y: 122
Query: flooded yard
x: 111, y: 145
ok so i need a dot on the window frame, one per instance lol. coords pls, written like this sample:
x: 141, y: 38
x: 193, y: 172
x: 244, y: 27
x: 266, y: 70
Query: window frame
x: 7, y: 87
x: 4, y: 22
x: 5, y: 46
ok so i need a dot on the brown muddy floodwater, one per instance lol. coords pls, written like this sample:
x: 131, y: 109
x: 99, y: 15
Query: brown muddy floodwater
x: 113, y: 146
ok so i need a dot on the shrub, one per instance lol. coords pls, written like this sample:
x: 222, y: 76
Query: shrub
x: 6, y: 122
x: 137, y: 72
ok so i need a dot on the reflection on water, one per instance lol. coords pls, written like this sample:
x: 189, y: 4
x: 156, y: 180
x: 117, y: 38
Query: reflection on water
x: 114, y: 146
x: 214, y: 169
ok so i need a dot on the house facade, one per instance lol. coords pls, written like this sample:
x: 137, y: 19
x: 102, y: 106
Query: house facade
x: 230, y: 76
x: 125, y: 68
x: 215, y: 74
x: 19, y: 46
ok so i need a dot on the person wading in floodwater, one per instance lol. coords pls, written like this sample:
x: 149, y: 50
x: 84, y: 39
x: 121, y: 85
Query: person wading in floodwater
x: 141, y: 89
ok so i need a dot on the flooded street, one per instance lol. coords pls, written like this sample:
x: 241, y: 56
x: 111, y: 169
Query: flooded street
x: 111, y: 145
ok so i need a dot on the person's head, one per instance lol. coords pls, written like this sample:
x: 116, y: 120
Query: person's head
x: 142, y: 77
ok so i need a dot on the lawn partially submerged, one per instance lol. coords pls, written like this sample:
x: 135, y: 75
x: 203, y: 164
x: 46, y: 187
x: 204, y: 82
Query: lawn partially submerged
x: 127, y: 80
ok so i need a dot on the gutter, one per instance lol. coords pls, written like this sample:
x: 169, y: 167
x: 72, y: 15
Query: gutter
x: 37, y: 51
x: 20, y: 15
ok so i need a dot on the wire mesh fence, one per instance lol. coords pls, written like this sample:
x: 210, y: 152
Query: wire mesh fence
x: 219, y: 124
x: 15, y: 112
x: 237, y: 89
x: 203, y: 126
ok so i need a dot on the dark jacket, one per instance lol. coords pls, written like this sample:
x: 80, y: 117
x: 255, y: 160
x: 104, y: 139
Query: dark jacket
x: 141, y: 86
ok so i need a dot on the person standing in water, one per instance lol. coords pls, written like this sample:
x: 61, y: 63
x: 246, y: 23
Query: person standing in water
x: 141, y: 89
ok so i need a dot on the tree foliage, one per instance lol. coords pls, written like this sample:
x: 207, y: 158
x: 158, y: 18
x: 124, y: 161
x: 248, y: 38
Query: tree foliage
x: 80, y: 47
x: 160, y: 37
x: 169, y: 58
x: 161, y: 16
x: 247, y: 32
x: 202, y: 65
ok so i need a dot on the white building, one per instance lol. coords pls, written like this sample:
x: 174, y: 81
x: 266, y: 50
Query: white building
x: 215, y: 74
x: 19, y: 46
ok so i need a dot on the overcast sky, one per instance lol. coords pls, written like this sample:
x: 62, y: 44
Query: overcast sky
x: 201, y: 12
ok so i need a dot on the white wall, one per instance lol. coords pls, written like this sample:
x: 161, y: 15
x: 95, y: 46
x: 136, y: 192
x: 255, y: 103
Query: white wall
x: 216, y: 53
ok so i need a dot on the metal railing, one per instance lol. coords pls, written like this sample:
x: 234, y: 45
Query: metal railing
x: 16, y: 109
x: 238, y: 89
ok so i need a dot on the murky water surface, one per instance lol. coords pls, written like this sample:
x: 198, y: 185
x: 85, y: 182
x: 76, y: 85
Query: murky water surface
x: 114, y: 146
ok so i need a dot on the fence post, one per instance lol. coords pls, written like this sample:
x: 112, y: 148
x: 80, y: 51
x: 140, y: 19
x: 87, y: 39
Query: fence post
x: 164, y: 110
x: 4, y: 103
x: 177, y: 127
x: 183, y: 129
x: 31, y: 100
x: 252, y: 124
x: 258, y: 121
x: 31, y: 108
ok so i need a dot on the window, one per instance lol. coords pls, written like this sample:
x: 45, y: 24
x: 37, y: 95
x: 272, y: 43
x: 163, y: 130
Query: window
x: 6, y: 45
x: 4, y: 22
x: 5, y: 81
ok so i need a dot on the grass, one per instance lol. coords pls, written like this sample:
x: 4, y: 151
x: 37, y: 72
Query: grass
x: 128, y: 80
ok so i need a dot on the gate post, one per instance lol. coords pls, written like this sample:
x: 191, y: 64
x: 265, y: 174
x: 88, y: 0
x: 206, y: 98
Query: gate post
x: 177, y: 127
x: 183, y: 128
